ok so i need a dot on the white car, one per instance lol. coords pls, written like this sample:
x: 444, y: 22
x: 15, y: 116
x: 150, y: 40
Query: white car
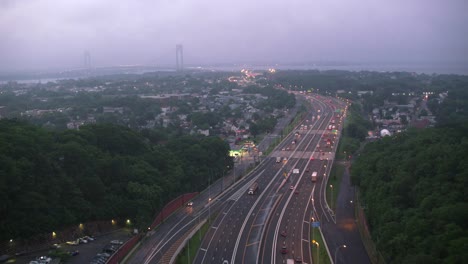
x: 189, y: 203
x: 116, y: 242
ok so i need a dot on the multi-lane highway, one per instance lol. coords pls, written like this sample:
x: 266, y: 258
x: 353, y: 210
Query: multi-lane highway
x: 273, y: 224
x: 254, y: 228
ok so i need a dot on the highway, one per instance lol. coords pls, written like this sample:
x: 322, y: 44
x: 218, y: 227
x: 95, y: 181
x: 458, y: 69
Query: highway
x: 237, y: 234
x: 274, y: 224
x: 287, y: 232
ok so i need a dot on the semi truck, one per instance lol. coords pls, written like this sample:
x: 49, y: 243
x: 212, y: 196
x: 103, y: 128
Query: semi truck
x: 314, y: 176
x: 253, y: 188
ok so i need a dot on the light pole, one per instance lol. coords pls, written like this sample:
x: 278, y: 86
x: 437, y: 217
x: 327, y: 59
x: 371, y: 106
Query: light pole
x: 318, y: 250
x: 209, y: 200
x: 188, y: 251
x: 331, y: 186
x: 336, y: 251
x: 313, y: 228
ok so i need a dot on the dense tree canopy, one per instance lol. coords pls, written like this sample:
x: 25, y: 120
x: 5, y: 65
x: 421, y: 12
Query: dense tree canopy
x: 414, y: 187
x: 49, y: 180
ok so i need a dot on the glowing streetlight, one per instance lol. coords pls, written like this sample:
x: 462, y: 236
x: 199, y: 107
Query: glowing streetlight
x: 336, y: 251
x: 331, y: 186
x: 54, y: 235
x: 113, y: 222
x: 128, y: 222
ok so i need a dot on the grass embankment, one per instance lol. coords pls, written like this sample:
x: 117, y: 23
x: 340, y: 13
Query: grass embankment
x: 194, y: 243
x: 334, y: 180
x: 322, y: 252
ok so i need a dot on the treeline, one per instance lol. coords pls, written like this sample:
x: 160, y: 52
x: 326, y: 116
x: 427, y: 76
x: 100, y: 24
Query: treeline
x: 414, y: 188
x: 49, y: 180
x: 277, y: 99
x: 355, y: 129
x: 452, y: 109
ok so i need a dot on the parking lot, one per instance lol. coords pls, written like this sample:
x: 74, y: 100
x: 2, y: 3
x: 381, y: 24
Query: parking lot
x: 86, y: 251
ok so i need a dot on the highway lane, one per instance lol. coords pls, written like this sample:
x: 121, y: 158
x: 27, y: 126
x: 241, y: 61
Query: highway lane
x: 280, y: 216
x: 289, y: 225
x: 219, y: 246
x: 301, y: 161
x: 251, y: 240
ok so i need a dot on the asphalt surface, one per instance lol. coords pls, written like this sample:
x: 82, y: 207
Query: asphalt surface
x: 254, y: 228
x: 86, y: 251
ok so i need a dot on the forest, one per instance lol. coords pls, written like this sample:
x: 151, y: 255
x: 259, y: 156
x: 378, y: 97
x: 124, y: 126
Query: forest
x: 413, y: 186
x: 50, y: 180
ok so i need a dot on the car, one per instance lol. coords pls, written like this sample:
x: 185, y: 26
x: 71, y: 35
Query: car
x: 307, y: 169
x: 89, y: 238
x: 116, y: 242
x: 74, y: 253
x: 296, y: 191
x: 284, y: 250
x: 55, y: 246
x: 291, y: 187
x: 72, y: 243
x: 189, y: 203
x: 283, y: 233
x: 312, y: 158
x: 43, y: 259
x: 298, y: 260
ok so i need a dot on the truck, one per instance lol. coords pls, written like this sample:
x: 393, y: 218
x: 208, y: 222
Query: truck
x: 253, y: 188
x: 278, y: 159
x: 314, y: 176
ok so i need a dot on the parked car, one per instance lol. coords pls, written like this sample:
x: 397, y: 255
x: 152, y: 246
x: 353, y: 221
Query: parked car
x: 116, y: 242
x: 55, y: 246
x: 72, y: 243
x: 74, y: 253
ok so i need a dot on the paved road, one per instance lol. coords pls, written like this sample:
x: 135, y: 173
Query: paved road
x: 248, y: 228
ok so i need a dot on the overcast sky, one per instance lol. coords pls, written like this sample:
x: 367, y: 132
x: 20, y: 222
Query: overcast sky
x: 39, y: 34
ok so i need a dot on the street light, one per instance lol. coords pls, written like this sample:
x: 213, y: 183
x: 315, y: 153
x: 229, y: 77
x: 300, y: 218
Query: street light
x: 331, y: 186
x: 318, y: 250
x: 336, y: 251
x: 313, y: 228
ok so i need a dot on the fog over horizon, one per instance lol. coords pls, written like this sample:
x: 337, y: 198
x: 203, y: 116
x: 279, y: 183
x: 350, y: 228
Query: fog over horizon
x: 53, y: 34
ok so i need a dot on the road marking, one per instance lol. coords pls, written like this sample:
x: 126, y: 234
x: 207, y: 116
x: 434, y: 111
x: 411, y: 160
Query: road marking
x: 203, y: 249
x: 214, y: 227
x: 307, y: 241
x: 254, y: 243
